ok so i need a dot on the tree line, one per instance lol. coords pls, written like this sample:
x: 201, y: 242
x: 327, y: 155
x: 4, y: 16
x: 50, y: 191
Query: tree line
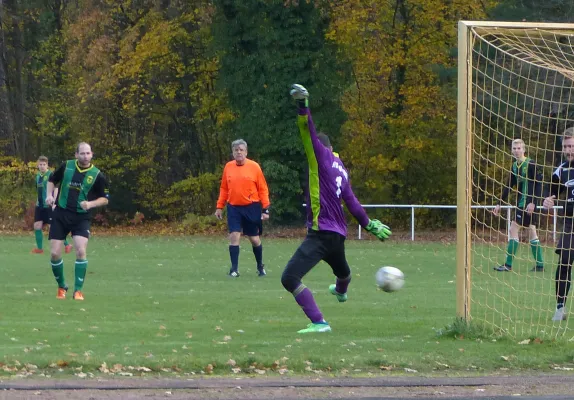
x: 160, y: 88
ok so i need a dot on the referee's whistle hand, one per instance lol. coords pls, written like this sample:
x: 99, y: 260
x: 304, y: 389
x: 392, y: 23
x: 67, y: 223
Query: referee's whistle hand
x: 219, y: 213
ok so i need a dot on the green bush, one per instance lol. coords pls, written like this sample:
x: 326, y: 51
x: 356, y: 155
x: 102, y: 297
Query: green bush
x: 16, y: 188
x: 195, y: 195
x: 201, y: 224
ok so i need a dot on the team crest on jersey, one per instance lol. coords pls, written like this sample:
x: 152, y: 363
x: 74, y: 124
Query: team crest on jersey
x: 45, y: 178
x: 90, y: 179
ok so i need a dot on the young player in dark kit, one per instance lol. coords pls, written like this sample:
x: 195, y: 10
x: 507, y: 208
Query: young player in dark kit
x: 42, y: 211
x: 528, y: 180
x: 327, y: 227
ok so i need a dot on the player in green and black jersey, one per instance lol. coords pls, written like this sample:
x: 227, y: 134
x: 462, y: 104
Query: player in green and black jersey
x: 82, y: 188
x: 43, y: 212
x: 528, y: 181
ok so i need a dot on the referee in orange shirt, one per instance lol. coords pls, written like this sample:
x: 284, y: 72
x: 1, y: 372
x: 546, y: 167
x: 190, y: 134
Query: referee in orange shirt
x: 244, y: 189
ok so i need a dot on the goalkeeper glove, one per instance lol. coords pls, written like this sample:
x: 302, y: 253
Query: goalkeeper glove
x: 301, y: 95
x: 377, y: 228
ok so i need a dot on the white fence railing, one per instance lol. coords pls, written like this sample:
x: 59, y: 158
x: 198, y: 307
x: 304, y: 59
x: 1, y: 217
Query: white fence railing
x: 415, y: 206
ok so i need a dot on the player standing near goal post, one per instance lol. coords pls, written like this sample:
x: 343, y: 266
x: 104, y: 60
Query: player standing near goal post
x: 527, y: 178
x: 82, y: 188
x: 244, y: 189
x: 563, y: 180
x: 42, y: 211
x: 327, y: 227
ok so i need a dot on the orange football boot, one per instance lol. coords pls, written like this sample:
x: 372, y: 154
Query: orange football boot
x: 62, y: 293
x: 78, y: 295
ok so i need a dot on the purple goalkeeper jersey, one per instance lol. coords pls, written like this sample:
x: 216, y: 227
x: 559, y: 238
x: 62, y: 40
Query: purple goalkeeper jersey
x: 328, y: 183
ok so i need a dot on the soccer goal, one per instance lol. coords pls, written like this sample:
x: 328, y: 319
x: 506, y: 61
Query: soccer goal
x: 515, y: 81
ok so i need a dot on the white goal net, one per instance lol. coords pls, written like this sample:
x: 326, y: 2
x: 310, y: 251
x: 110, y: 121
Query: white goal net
x: 516, y: 81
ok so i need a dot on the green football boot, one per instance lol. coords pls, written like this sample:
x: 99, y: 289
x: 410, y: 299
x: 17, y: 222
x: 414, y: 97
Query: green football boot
x: 341, y: 297
x: 316, y: 328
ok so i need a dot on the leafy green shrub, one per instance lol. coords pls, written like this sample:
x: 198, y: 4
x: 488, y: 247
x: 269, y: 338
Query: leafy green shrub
x: 201, y: 224
x: 16, y: 187
x: 195, y: 195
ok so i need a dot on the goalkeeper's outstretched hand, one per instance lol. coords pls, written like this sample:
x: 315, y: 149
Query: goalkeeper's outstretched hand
x: 377, y: 228
x: 300, y: 94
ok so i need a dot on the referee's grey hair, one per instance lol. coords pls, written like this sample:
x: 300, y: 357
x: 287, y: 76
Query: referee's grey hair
x: 569, y: 133
x: 238, y: 142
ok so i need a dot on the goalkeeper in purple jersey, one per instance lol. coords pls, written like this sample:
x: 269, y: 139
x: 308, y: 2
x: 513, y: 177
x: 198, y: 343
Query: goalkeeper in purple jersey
x: 327, y: 227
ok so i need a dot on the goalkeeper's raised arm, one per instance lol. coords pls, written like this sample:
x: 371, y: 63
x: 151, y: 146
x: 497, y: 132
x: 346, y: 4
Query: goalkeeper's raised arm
x: 328, y: 179
x: 316, y: 151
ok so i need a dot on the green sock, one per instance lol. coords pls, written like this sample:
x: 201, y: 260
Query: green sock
x: 80, y: 270
x: 39, y: 238
x: 66, y: 241
x: 537, y: 252
x: 511, y: 251
x: 58, y: 271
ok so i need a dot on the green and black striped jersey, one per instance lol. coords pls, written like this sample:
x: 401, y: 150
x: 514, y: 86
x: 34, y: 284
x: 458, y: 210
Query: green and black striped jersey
x: 78, y: 184
x: 528, y: 181
x: 41, y: 188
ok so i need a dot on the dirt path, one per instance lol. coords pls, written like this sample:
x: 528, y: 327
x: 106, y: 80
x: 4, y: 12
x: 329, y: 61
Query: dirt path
x: 539, y: 386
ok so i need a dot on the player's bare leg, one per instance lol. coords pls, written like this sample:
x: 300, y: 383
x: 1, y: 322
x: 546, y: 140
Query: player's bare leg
x: 81, y: 265
x: 57, y: 263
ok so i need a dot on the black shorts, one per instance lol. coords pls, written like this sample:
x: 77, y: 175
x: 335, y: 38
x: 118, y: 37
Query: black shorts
x: 319, y: 245
x: 65, y: 221
x: 43, y: 214
x: 522, y: 218
x: 566, y: 240
x: 245, y: 218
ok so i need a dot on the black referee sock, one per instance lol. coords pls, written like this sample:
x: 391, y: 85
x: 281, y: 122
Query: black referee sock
x: 258, y: 252
x: 234, y: 255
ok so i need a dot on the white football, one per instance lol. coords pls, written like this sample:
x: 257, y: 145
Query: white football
x: 390, y: 279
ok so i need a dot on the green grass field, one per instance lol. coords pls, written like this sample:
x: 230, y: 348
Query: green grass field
x: 166, y: 303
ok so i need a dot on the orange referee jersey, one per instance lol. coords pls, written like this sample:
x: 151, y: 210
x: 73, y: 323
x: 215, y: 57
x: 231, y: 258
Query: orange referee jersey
x: 242, y: 185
